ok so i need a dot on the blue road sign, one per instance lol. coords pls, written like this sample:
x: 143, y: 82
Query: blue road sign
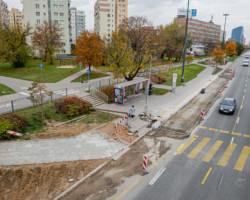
x: 194, y: 12
x: 41, y: 65
x: 88, y: 71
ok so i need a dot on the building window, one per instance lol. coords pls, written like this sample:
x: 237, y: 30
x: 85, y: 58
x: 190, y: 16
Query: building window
x: 108, y: 15
x: 61, y: 21
x: 55, y: 14
x: 38, y: 21
x: 37, y: 6
x: 37, y: 14
x: 61, y: 14
x: 61, y: 7
x: 43, y: 6
x: 56, y: 21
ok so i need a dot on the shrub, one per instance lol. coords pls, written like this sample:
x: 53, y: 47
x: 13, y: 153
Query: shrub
x: 157, y: 79
x: 18, y: 122
x: 5, y: 125
x: 109, y: 91
x: 73, y: 106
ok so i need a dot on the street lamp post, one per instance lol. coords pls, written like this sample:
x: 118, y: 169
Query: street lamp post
x: 222, y: 45
x: 185, y: 45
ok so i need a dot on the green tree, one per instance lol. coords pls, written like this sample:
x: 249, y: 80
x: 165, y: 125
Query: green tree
x: 13, y: 45
x: 239, y: 48
x: 47, y: 40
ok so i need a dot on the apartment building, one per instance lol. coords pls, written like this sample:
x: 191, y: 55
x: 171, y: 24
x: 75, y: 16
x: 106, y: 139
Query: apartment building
x: 108, y: 15
x: 4, y: 19
x: 35, y: 12
x: 16, y: 18
x: 77, y: 24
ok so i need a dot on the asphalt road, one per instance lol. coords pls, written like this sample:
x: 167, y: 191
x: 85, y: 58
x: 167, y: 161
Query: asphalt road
x: 214, y: 163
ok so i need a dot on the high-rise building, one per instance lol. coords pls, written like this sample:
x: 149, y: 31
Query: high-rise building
x: 77, y: 24
x: 238, y: 34
x: 16, y: 18
x: 35, y: 12
x: 4, y: 19
x: 109, y: 15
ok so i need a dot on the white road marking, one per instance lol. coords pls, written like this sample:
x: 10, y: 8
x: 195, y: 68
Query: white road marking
x: 245, y: 91
x: 246, y: 80
x: 232, y: 140
x: 241, y: 107
x: 24, y: 93
x: 238, y: 120
x: 157, y: 176
x: 243, y: 97
x: 24, y: 88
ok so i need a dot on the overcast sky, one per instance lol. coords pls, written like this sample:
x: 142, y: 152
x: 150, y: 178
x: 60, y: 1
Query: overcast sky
x: 163, y: 11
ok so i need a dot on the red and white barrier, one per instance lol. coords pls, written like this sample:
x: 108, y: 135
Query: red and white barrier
x: 202, y: 114
x: 225, y: 84
x: 145, y: 163
x: 15, y: 133
x: 220, y: 92
x: 231, y: 77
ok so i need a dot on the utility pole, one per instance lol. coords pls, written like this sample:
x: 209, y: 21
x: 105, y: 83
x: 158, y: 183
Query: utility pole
x: 222, y: 45
x: 185, y: 45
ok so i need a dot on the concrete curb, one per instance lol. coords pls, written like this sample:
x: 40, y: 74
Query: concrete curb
x: 79, y: 182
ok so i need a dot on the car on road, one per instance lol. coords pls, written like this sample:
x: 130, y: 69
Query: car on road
x: 246, y: 56
x: 245, y: 63
x: 228, y: 106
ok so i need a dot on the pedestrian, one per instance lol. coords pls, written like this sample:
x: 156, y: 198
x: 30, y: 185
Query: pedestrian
x: 132, y: 111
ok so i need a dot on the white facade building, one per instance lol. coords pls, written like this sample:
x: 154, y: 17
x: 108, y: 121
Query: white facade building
x: 36, y: 11
x: 77, y: 24
x: 4, y: 18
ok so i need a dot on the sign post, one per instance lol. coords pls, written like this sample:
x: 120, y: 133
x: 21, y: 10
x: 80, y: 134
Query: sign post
x: 88, y: 72
x: 194, y: 12
x: 41, y: 66
x: 174, y: 82
x: 80, y: 64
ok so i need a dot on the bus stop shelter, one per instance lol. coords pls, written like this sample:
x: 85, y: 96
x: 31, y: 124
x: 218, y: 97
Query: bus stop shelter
x: 130, y: 89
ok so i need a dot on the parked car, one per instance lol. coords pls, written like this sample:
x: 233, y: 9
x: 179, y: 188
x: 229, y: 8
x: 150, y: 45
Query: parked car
x: 245, y: 63
x: 228, y: 106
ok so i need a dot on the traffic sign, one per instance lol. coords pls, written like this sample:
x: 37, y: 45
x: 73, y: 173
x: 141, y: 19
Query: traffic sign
x: 194, y: 12
x: 41, y: 65
x: 88, y: 71
x: 80, y: 64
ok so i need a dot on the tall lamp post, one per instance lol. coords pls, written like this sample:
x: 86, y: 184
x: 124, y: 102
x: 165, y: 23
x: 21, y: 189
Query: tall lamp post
x: 222, y: 45
x: 185, y: 45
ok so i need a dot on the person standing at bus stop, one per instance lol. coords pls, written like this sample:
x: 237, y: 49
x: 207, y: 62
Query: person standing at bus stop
x: 132, y: 111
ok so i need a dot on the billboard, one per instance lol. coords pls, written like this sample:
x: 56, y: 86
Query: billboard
x: 183, y: 12
x: 118, y: 96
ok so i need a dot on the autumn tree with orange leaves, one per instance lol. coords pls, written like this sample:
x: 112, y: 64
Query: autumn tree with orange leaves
x: 89, y: 49
x: 218, y: 54
x: 231, y: 49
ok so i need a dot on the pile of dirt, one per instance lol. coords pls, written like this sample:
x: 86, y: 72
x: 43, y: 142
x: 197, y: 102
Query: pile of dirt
x: 103, y: 184
x: 45, y: 181
x: 65, y: 131
x: 120, y: 133
x: 185, y: 118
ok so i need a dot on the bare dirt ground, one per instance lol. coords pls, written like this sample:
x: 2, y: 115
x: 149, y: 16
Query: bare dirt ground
x: 39, y: 182
x: 65, y: 131
x: 103, y: 184
x: 180, y: 124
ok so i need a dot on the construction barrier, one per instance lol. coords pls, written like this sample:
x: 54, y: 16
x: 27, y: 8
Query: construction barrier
x: 14, y: 133
x: 145, y: 163
x: 220, y: 92
x: 225, y: 84
x: 202, y: 114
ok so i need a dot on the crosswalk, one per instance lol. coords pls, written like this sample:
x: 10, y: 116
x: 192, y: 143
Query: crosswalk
x: 59, y: 92
x: 222, y: 160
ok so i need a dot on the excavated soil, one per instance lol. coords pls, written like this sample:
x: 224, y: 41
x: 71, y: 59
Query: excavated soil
x: 103, y: 184
x: 45, y: 181
x: 65, y: 131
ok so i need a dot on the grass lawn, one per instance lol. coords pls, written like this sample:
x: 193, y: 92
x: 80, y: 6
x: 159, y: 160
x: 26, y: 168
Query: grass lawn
x: 191, y: 71
x: 4, y: 90
x: 32, y: 71
x: 201, y: 57
x: 159, y: 91
x: 104, y: 68
x: 93, y: 75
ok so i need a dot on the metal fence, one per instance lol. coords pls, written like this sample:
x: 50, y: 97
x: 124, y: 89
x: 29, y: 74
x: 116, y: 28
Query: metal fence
x: 21, y: 103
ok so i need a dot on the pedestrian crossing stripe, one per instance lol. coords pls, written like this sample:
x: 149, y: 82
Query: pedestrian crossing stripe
x: 183, y: 147
x: 212, y: 151
x: 198, y: 148
x: 213, y: 129
x: 242, y: 158
x: 233, y: 133
x: 226, y: 156
x: 246, y: 135
x: 223, y: 131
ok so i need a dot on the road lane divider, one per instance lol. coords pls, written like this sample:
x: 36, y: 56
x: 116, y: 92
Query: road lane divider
x: 203, y: 127
x: 239, y: 134
x: 238, y: 114
x: 159, y: 173
x: 198, y: 147
x: 205, y: 178
x: 227, y: 154
x: 212, y: 151
x: 183, y: 147
x: 213, y: 129
x: 245, y: 135
x: 242, y: 158
x: 232, y: 140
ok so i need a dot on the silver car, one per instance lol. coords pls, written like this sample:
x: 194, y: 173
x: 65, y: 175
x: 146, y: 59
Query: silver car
x: 245, y: 63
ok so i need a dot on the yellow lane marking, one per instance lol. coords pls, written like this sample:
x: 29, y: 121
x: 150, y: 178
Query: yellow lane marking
x: 183, y: 147
x: 205, y: 178
x: 246, y: 135
x: 198, y: 148
x: 213, y: 129
x: 171, y: 109
x: 242, y: 159
x: 224, y: 131
x: 238, y: 115
x: 212, y: 151
x: 233, y: 133
x: 227, y: 154
x: 203, y: 127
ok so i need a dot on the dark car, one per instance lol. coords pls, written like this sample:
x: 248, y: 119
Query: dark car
x: 228, y: 106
